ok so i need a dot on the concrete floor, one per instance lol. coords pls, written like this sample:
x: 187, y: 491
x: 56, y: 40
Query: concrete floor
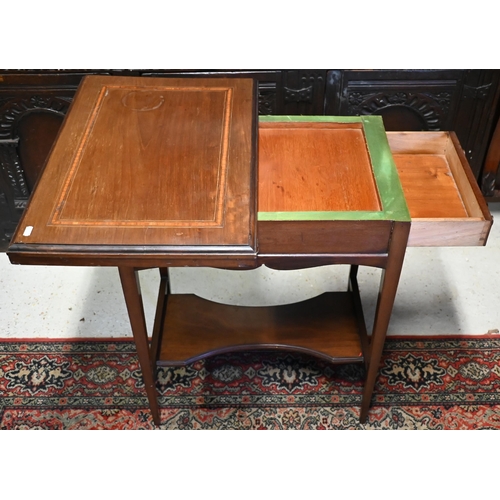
x: 442, y: 291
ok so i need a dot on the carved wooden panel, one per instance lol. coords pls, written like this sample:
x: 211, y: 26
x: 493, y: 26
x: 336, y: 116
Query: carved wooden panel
x: 267, y: 98
x: 303, y: 92
x: 28, y: 127
x: 455, y: 100
x: 406, y: 101
x: 476, y: 116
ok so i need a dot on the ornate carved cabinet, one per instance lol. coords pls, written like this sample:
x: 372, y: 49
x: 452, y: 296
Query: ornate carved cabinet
x: 465, y: 101
x: 33, y: 104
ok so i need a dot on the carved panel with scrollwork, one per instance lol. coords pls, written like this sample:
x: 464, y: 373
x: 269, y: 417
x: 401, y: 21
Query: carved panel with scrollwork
x: 303, y: 91
x: 15, y: 109
x: 298, y: 95
x: 12, y: 173
x: 14, y: 190
x: 431, y: 108
x: 267, y: 98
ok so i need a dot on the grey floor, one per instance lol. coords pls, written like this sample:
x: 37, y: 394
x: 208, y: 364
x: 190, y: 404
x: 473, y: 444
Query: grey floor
x: 442, y: 291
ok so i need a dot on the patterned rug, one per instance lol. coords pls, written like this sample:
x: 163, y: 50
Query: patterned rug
x: 431, y: 383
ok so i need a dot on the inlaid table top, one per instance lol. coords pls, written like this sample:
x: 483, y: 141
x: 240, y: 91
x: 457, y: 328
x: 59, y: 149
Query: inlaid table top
x: 149, y: 164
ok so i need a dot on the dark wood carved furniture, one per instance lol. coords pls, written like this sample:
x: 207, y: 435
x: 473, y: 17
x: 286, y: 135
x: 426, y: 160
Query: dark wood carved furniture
x: 33, y: 104
x: 491, y: 173
x: 166, y: 172
x: 464, y: 101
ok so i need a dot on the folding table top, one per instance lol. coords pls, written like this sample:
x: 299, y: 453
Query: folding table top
x: 150, y: 163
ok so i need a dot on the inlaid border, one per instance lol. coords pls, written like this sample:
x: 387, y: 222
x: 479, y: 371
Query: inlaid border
x: 218, y: 217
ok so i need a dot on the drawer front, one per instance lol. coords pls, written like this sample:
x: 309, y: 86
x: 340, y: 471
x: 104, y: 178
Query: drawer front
x: 445, y: 204
x: 323, y: 237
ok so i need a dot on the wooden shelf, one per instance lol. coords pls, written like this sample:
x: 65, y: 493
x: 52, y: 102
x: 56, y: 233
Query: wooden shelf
x: 329, y: 326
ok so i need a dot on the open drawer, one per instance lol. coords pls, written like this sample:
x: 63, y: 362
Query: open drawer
x: 445, y: 204
x: 327, y: 185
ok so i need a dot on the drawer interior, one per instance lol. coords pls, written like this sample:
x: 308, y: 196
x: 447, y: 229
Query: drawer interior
x: 323, y: 187
x: 315, y: 167
x: 444, y: 201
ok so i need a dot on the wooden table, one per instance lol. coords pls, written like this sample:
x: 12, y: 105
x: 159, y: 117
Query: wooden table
x: 151, y: 172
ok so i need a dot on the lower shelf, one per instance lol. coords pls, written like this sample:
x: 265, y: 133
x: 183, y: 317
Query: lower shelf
x: 329, y: 326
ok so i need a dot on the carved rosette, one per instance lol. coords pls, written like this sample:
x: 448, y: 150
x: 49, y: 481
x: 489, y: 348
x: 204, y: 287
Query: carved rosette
x: 431, y: 108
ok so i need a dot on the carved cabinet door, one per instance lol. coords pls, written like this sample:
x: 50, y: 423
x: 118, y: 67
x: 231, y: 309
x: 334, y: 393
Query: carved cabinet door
x: 32, y: 109
x: 459, y: 100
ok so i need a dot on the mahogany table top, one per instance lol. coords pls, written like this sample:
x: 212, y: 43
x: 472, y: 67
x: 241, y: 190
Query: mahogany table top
x: 152, y: 165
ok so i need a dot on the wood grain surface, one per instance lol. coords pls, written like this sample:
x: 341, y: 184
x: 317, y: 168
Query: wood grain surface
x: 429, y: 186
x: 315, y: 167
x: 325, y: 325
x: 445, y: 204
x: 150, y: 161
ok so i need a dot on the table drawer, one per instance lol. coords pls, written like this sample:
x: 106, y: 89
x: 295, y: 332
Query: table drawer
x: 327, y: 185
x: 324, y: 237
x: 445, y: 204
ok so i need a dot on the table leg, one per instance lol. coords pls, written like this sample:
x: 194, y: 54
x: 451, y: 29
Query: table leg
x: 387, y: 294
x: 133, y: 299
x: 163, y: 294
x: 353, y: 287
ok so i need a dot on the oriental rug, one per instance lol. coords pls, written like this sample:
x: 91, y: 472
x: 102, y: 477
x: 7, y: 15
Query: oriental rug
x: 424, y: 383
